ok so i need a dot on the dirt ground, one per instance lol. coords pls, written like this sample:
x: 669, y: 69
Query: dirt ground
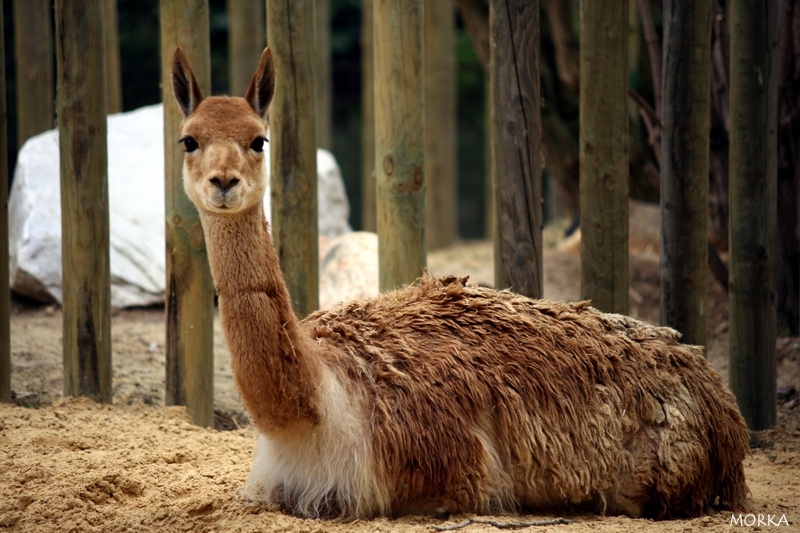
x: 136, y: 465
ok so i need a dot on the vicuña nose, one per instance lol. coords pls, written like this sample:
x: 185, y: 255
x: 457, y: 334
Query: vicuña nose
x: 223, y: 183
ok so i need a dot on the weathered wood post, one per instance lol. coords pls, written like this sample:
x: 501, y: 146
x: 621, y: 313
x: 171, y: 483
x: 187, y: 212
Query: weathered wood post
x: 113, y: 65
x: 246, y: 41
x: 399, y: 141
x: 516, y: 145
x: 604, y: 154
x: 322, y: 52
x: 369, y: 210
x: 753, y: 207
x: 293, y: 150
x: 5, y: 292
x: 190, y: 289
x: 440, y: 124
x: 684, y: 167
x: 81, y: 107
x: 33, y: 53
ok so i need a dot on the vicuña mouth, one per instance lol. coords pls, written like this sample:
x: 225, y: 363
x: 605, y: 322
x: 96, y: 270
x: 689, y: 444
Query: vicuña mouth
x: 218, y: 205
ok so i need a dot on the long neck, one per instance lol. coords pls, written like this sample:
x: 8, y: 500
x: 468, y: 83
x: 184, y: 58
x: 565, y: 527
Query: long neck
x: 271, y: 359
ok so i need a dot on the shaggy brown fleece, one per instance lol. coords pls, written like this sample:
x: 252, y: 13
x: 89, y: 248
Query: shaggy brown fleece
x: 488, y: 401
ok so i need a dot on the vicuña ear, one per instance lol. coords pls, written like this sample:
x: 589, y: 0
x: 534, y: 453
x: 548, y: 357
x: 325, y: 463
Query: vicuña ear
x: 184, y: 85
x: 262, y: 87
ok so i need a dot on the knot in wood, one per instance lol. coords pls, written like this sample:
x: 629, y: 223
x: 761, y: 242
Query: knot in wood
x: 388, y: 165
x: 418, y: 179
x: 197, y: 238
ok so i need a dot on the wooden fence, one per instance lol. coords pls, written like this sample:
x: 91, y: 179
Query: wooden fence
x: 395, y: 168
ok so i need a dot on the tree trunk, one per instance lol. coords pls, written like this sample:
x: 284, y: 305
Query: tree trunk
x: 788, y: 303
x: 516, y: 145
x: 5, y: 292
x: 113, y: 69
x: 684, y: 167
x: 33, y: 54
x: 293, y: 150
x: 720, y: 127
x: 753, y: 203
x: 81, y: 71
x: 475, y: 17
x: 604, y: 154
x: 368, y: 193
x: 440, y: 124
x: 246, y: 41
x: 559, y: 85
x: 190, y: 289
x: 653, y: 41
x: 322, y: 53
x: 399, y: 141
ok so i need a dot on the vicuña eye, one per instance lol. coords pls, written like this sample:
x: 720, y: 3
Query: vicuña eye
x: 189, y: 142
x: 258, y: 144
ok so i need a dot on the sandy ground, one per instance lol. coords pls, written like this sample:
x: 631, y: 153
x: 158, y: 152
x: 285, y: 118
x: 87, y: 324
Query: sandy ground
x: 73, y: 465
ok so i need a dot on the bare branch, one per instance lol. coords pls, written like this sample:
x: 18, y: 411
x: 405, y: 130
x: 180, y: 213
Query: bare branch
x: 501, y: 525
x: 564, y: 41
x: 475, y: 17
x: 653, y: 41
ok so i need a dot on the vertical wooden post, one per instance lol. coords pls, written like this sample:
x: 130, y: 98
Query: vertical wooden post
x: 246, y: 41
x: 81, y: 106
x: 5, y: 292
x: 190, y: 289
x: 113, y: 67
x: 322, y: 52
x: 369, y: 211
x: 33, y: 53
x: 684, y: 167
x: 440, y: 124
x: 516, y: 145
x: 399, y: 141
x: 293, y: 150
x: 753, y: 207
x: 604, y: 154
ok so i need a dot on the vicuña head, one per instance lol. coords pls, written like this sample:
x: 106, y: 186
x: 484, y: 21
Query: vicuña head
x: 224, y: 139
x: 442, y: 397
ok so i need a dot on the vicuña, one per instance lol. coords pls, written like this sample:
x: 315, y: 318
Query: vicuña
x: 442, y: 397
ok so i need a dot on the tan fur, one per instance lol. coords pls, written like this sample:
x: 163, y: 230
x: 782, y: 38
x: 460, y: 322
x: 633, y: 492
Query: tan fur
x: 442, y: 397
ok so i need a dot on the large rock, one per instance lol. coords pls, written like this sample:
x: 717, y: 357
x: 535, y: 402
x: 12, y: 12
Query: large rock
x: 349, y: 269
x: 136, y: 203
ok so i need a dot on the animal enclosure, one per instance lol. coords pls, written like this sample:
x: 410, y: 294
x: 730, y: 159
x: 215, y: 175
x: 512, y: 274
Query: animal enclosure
x: 203, y: 307
x: 360, y: 409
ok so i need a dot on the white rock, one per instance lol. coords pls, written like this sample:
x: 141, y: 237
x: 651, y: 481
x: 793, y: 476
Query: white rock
x: 136, y: 206
x: 349, y: 269
x: 333, y: 206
